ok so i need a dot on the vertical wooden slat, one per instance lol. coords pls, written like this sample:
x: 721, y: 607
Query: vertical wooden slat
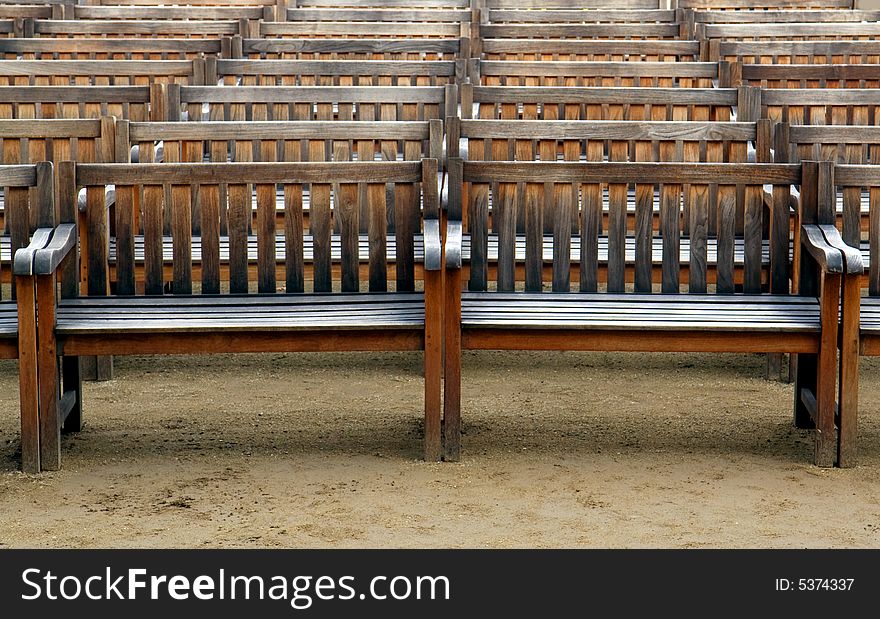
x: 377, y: 227
x: 535, y: 195
x: 591, y: 223
x: 562, y: 211
x: 644, y: 225
x: 98, y: 280
x: 699, y: 211
x: 478, y: 227
x: 874, y: 241
x: 154, y: 196
x: 617, y: 198
x: 726, y: 239
x: 320, y: 227
x: 181, y: 238
x: 293, y: 238
x: 752, y: 237
x: 239, y: 216
x: 209, y: 212
x: 347, y: 218
x: 670, y: 231
x: 266, y: 237
x: 406, y: 206
x: 125, y: 233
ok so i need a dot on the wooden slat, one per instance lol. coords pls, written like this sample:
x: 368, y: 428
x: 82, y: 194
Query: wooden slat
x: 698, y: 228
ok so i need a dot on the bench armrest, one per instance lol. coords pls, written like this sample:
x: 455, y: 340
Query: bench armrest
x: 828, y: 257
x: 852, y: 257
x: 453, y: 244
x: 23, y: 262
x: 432, y: 245
x: 48, y: 259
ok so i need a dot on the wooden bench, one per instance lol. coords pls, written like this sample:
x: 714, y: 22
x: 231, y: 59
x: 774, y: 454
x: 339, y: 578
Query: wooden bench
x: 498, y: 316
x: 310, y: 102
x: 574, y: 103
x: 640, y: 74
x: 28, y: 192
x: 235, y: 314
x: 334, y: 72
x: 100, y: 72
x: 130, y: 102
x: 859, y: 324
x: 107, y: 49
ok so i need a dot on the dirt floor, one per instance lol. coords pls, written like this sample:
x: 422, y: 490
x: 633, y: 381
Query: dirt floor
x: 560, y: 450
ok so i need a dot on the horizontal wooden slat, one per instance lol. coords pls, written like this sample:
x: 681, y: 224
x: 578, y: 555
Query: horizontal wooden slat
x: 107, y: 45
x: 74, y: 94
x: 350, y: 46
x: 401, y: 14
x: 610, y: 69
x: 638, y: 96
x: 857, y: 175
x: 50, y: 128
x: 369, y: 29
x: 783, y: 31
x: 820, y: 96
x: 811, y: 71
x: 279, y: 130
x: 208, y: 173
x: 18, y: 176
x: 797, y: 48
x: 31, y: 68
x: 582, y: 16
x: 137, y: 26
x: 335, y: 67
x: 607, y: 130
x: 311, y: 94
x: 838, y: 134
x: 784, y: 16
x: 676, y: 173
x: 207, y: 13
x: 589, y: 46
x: 580, y: 31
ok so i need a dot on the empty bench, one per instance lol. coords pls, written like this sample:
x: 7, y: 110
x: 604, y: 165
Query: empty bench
x: 229, y: 312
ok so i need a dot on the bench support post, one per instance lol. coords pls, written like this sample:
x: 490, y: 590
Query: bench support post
x: 50, y: 427
x: 27, y: 368
x: 433, y: 362
x: 452, y: 366
x: 848, y: 398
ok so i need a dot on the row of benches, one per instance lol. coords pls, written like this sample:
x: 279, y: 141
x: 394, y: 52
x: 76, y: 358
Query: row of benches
x: 335, y: 310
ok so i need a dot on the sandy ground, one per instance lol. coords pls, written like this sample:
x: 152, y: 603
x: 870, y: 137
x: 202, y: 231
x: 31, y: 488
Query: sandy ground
x: 560, y: 450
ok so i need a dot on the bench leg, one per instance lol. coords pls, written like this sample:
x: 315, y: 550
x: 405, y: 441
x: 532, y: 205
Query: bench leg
x: 433, y: 363
x: 826, y: 376
x: 773, y: 367
x: 848, y: 398
x: 452, y: 367
x: 71, y: 372
x: 27, y: 376
x: 48, y: 375
x: 97, y: 368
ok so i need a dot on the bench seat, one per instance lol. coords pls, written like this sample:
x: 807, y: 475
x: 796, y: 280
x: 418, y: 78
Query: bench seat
x: 240, y: 313
x: 869, y: 318
x: 8, y: 320
x: 764, y: 313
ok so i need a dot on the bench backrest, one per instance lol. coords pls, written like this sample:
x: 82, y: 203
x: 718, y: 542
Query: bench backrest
x: 28, y: 203
x: 806, y: 75
x: 351, y: 188
x: 573, y: 103
x: 850, y: 145
x: 556, y: 191
x: 132, y: 102
x: 107, y: 49
x: 549, y: 73
x: 335, y: 72
x: 821, y: 106
x: 312, y: 102
x: 856, y: 187
x: 32, y: 141
x: 100, y: 72
x: 795, y: 52
x: 13, y: 11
